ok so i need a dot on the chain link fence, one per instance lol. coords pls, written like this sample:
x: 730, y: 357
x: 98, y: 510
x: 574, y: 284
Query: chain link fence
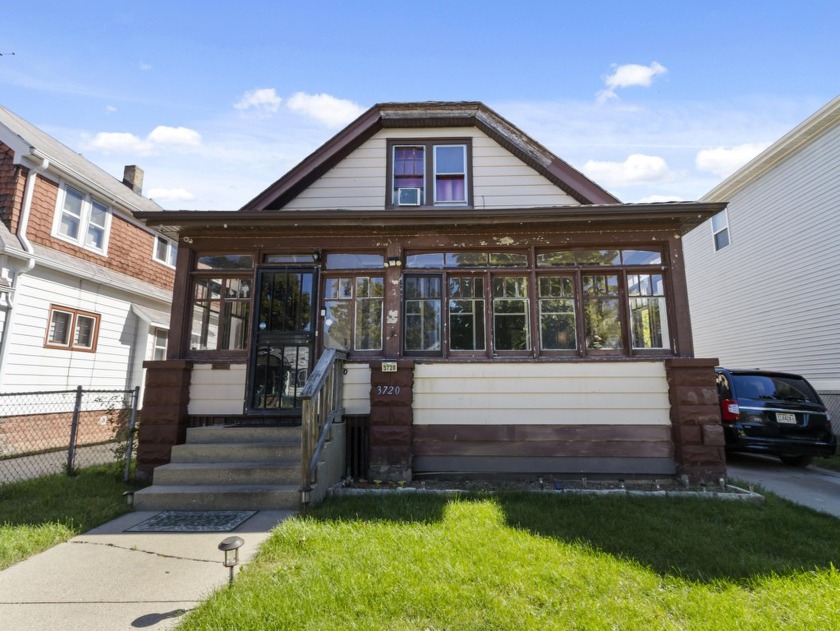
x: 44, y: 433
x: 832, y: 402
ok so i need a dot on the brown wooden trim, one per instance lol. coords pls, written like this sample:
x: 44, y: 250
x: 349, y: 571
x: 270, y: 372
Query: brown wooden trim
x: 683, y: 339
x: 71, y: 345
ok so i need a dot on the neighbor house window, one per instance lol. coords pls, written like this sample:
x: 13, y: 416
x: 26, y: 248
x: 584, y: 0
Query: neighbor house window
x: 72, y: 329
x: 429, y: 173
x: 82, y: 220
x: 221, y: 303
x: 353, y: 313
x: 160, y: 339
x: 166, y: 251
x: 720, y: 230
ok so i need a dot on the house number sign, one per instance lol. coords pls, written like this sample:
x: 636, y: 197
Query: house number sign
x: 389, y: 366
x: 387, y: 390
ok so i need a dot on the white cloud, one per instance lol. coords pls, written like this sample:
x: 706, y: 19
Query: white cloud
x: 629, y: 75
x: 171, y: 194
x: 160, y: 137
x: 724, y: 161
x: 638, y: 168
x: 261, y: 100
x: 174, y: 136
x: 110, y: 109
x: 324, y: 108
x: 119, y: 142
x: 145, y: 67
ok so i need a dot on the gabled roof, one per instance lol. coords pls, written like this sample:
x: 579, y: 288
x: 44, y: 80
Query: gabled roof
x: 425, y: 115
x: 810, y: 130
x: 28, y: 141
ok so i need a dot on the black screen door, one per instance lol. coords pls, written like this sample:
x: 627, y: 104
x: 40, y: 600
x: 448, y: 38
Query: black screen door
x: 284, y: 339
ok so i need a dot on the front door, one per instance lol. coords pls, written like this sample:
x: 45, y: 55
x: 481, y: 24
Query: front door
x: 284, y: 339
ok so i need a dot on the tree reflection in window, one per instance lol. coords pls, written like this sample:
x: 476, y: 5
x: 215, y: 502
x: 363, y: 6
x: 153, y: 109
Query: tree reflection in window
x: 602, y: 311
x: 648, y: 322
x: 511, y: 330
x: 557, y: 313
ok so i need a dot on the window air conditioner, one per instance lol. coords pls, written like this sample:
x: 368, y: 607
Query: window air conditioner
x: 408, y: 196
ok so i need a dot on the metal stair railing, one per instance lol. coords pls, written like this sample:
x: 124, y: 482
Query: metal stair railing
x: 322, y: 398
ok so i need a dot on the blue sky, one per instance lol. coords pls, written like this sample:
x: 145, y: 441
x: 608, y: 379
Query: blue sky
x: 653, y: 100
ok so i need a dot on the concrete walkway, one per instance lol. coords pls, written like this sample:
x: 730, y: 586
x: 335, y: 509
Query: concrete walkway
x: 809, y: 486
x: 111, y: 580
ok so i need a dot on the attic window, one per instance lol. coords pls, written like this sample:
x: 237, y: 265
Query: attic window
x: 429, y: 173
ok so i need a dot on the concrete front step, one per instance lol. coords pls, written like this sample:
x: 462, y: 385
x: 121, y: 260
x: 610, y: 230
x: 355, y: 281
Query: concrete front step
x: 236, y: 452
x: 218, y: 497
x: 231, y: 434
x: 218, y: 473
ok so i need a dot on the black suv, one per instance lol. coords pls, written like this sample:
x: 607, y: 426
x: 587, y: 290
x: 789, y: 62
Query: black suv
x: 774, y: 413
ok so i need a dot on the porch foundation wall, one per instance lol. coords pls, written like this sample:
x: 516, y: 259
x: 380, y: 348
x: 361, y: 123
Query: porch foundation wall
x: 696, y: 427
x: 165, y: 402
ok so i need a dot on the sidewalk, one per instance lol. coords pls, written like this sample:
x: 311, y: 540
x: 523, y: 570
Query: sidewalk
x: 111, y: 580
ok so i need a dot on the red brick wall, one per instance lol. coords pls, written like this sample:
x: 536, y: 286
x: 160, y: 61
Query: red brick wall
x: 129, y: 247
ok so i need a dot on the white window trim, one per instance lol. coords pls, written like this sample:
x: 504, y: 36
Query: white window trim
x: 725, y: 214
x: 84, y: 221
x: 170, y: 246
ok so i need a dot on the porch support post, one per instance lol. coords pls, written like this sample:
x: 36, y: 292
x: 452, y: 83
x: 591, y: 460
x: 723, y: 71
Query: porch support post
x: 164, y: 415
x: 695, y: 419
x: 391, y: 421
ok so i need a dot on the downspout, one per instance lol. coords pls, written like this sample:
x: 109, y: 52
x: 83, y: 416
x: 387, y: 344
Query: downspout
x: 28, y: 194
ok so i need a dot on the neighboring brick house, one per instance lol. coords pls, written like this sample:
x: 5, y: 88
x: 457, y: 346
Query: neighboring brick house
x: 85, y: 288
x: 501, y: 313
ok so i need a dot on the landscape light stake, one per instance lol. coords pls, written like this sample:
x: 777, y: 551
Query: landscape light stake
x: 230, y: 547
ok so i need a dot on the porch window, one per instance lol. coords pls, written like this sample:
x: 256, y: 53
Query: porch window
x: 221, y: 314
x: 648, y: 321
x: 72, y: 329
x: 466, y: 313
x: 557, y: 312
x: 429, y: 173
x: 353, y: 313
x: 602, y: 311
x: 423, y: 306
x: 511, y: 314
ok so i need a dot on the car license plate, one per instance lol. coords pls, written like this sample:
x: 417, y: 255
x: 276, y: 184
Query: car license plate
x: 782, y: 417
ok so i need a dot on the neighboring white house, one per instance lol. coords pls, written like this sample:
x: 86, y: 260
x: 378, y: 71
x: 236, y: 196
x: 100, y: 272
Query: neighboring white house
x: 85, y: 289
x: 763, y: 279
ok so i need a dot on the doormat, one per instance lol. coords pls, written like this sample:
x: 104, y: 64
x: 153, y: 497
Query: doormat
x: 193, y: 521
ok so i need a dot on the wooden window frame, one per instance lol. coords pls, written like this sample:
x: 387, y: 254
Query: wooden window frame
x: 72, y: 344
x: 353, y: 302
x: 429, y: 174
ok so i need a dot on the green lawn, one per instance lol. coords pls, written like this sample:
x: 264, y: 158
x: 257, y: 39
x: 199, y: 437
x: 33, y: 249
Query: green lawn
x: 38, y: 514
x: 524, y: 561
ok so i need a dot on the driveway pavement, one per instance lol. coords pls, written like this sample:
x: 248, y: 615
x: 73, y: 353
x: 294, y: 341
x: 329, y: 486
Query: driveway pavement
x: 810, y: 486
x: 111, y: 580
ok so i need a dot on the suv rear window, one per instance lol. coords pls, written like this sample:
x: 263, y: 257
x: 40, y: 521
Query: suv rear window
x: 774, y: 387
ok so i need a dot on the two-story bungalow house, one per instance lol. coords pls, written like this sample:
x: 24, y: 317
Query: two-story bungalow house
x: 85, y: 288
x: 500, y: 312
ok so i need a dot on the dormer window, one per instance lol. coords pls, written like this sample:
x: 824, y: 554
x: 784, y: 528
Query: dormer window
x: 429, y: 173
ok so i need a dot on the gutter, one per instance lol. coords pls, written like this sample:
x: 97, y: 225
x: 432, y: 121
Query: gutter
x: 41, y: 165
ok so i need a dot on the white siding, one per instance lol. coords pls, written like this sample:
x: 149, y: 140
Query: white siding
x: 217, y: 392
x: 499, y: 178
x: 357, y: 389
x: 30, y: 366
x: 616, y: 393
x: 771, y: 299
